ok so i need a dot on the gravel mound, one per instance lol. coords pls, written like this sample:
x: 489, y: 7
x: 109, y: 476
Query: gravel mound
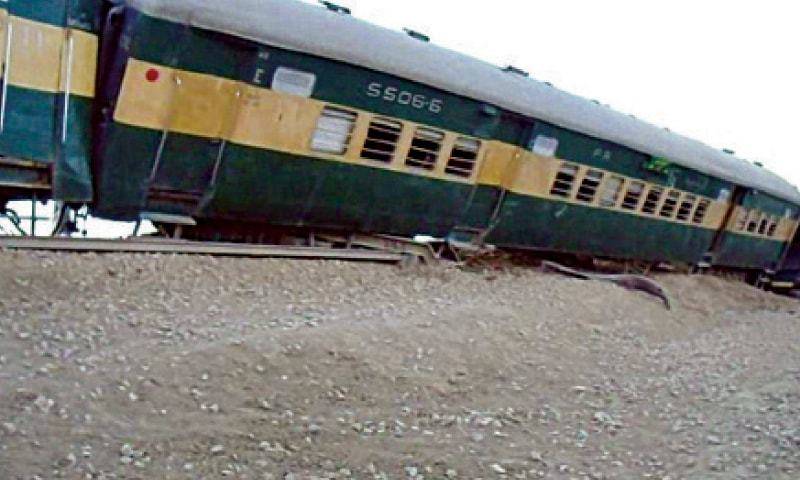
x: 152, y: 366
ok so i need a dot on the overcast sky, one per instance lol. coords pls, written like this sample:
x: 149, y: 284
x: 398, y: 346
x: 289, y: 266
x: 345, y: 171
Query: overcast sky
x: 724, y: 72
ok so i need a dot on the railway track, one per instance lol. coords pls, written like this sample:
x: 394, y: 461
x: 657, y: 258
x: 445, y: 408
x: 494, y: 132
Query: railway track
x: 185, y: 247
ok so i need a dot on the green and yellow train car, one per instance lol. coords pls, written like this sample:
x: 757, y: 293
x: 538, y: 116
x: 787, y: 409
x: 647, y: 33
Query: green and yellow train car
x: 277, y: 113
x: 48, y: 51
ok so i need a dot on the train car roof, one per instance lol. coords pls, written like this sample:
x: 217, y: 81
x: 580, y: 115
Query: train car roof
x: 319, y: 31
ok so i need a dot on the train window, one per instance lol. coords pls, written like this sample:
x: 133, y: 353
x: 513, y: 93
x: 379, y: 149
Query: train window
x: 425, y: 148
x: 633, y: 195
x: 334, y: 131
x: 763, y: 225
x: 773, y: 226
x: 652, y: 199
x: 670, y: 204
x: 701, y: 210
x: 752, y: 221
x: 294, y: 82
x: 565, y: 178
x: 463, y: 157
x: 611, y: 191
x: 741, y: 219
x: 589, y: 184
x: 382, y: 138
x: 685, y: 211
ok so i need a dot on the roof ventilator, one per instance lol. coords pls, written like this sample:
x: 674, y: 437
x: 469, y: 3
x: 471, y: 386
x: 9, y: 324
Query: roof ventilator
x: 335, y: 8
x: 516, y: 71
x: 417, y: 35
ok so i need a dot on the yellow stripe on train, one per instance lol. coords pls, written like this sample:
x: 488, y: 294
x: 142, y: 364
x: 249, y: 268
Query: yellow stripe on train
x: 48, y: 58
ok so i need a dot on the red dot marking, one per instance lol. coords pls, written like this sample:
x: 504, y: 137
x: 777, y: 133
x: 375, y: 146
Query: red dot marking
x: 151, y: 75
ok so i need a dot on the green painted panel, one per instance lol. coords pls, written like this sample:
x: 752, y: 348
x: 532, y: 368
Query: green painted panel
x: 267, y: 186
x: 606, y: 155
x: 213, y: 53
x: 30, y: 125
x: 769, y: 204
x: 121, y: 170
x: 745, y: 251
x: 46, y: 11
x: 284, y: 189
x: 33, y: 132
x: 527, y: 222
x: 72, y: 176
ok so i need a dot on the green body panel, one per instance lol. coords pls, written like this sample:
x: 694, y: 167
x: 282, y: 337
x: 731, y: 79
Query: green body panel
x: 268, y: 186
x: 72, y: 176
x: 768, y: 204
x: 30, y: 125
x: 197, y: 50
x: 80, y: 14
x: 32, y: 132
x: 606, y: 155
x: 534, y: 223
x: 737, y: 250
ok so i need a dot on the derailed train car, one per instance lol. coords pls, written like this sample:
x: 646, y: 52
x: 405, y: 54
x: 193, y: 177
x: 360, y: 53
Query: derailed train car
x: 251, y: 114
x: 48, y: 50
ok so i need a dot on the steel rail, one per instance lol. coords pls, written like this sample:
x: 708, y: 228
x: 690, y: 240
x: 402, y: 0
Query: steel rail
x: 185, y: 247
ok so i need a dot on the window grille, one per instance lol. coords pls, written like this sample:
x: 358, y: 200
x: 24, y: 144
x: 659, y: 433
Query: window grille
x: 334, y: 131
x: 633, y: 195
x: 773, y: 226
x: 463, y: 157
x: 670, y: 204
x: 700, y: 212
x: 382, y: 138
x: 763, y: 225
x: 652, y: 199
x: 425, y: 148
x: 589, y: 185
x: 611, y: 191
x: 565, y: 178
x: 687, y: 205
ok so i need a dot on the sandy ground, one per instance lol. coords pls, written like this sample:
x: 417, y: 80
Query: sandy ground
x: 150, y: 367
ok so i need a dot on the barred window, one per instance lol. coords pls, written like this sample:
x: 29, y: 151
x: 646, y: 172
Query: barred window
x: 334, y: 131
x: 564, y: 181
x: 700, y: 212
x: 741, y: 219
x: 425, y: 148
x: 589, y: 184
x: 633, y: 196
x: 382, y: 138
x: 652, y: 200
x: 773, y: 226
x: 670, y: 204
x: 763, y: 225
x: 611, y: 191
x: 463, y: 157
x: 685, y: 211
x: 752, y: 221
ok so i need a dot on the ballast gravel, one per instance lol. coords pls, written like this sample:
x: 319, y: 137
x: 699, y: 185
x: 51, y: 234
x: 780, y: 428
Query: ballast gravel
x: 177, y: 367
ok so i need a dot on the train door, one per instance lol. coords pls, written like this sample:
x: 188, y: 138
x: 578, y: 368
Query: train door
x: 483, y: 212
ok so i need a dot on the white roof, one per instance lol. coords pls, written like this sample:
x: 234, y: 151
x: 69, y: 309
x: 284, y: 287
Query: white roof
x: 316, y: 30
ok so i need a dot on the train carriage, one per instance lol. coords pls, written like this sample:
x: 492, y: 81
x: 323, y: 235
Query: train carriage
x: 279, y: 113
x: 48, y: 50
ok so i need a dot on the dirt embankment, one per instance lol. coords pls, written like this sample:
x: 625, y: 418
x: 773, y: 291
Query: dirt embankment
x: 190, y: 367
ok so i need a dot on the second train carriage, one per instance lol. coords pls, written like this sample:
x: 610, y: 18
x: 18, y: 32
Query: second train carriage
x: 282, y: 113
x: 48, y: 52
